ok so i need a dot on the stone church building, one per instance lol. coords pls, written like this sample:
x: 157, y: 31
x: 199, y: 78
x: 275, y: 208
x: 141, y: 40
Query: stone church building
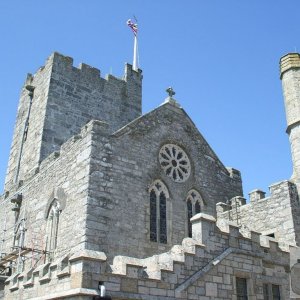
x: 102, y: 202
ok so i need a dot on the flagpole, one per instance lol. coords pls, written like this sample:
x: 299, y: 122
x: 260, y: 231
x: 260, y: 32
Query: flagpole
x: 135, y: 54
x: 134, y: 27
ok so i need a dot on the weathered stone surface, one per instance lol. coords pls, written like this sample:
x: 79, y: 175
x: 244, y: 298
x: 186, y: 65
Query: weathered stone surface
x: 275, y: 216
x: 80, y: 207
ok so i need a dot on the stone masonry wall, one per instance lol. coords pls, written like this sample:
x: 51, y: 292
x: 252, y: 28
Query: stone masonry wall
x: 31, y: 147
x: 277, y: 214
x: 65, y: 99
x: 77, y: 96
x: 203, y: 267
x: 124, y: 166
x: 62, y: 176
x: 101, y: 178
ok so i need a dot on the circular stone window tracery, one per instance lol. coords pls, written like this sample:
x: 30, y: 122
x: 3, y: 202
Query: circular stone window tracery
x: 175, y: 162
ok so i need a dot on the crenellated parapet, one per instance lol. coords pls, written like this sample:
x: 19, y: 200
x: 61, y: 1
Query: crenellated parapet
x: 198, y: 261
x: 274, y: 216
x: 25, y: 206
x: 55, y: 158
x: 63, y: 64
x: 58, y: 100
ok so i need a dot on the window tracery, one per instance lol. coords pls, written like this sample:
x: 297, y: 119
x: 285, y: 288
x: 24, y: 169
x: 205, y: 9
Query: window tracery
x: 175, y: 162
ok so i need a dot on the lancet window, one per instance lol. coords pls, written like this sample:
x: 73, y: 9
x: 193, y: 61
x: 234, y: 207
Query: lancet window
x: 158, y: 212
x: 194, y: 205
x: 52, y: 227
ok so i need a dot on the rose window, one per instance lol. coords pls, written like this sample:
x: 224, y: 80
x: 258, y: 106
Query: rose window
x: 175, y: 162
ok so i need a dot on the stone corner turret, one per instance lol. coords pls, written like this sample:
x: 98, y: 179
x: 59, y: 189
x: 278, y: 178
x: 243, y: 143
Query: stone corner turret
x: 289, y: 61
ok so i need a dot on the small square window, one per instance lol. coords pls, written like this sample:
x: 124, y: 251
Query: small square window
x: 241, y: 288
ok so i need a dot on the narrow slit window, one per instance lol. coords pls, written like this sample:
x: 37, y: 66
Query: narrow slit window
x: 190, y: 214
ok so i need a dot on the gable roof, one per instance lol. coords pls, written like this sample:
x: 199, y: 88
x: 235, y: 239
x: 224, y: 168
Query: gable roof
x: 138, y: 125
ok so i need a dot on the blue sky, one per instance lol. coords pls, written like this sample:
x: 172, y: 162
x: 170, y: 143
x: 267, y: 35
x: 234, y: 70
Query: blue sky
x: 221, y: 57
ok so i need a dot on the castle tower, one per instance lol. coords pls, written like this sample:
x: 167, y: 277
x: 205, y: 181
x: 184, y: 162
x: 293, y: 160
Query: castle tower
x: 58, y: 100
x: 290, y: 76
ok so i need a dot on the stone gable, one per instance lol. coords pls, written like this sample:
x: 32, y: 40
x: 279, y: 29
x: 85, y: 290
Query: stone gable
x: 99, y: 197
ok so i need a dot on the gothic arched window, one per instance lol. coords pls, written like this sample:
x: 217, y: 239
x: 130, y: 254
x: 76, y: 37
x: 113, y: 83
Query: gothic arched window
x: 197, y: 207
x: 52, y: 227
x: 158, y: 212
x: 194, y: 204
x: 189, y: 215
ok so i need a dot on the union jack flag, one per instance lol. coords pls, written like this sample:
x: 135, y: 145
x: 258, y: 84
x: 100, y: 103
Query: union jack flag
x: 133, y: 26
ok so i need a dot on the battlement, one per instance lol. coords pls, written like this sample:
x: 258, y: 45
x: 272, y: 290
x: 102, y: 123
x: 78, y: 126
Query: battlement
x: 271, y: 216
x: 211, y: 250
x: 63, y: 99
x: 62, y: 64
x: 234, y: 173
x: 93, y: 127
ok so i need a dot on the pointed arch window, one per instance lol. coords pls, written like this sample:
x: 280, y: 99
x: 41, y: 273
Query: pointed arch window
x: 189, y: 215
x: 158, y: 212
x: 194, y: 204
x: 197, y: 207
x: 52, y: 227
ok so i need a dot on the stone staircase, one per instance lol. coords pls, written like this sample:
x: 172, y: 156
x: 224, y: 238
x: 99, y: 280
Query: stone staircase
x: 153, y: 267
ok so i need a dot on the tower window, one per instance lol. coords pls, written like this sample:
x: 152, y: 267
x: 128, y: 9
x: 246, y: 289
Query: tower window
x: 158, y: 212
x: 194, y: 203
